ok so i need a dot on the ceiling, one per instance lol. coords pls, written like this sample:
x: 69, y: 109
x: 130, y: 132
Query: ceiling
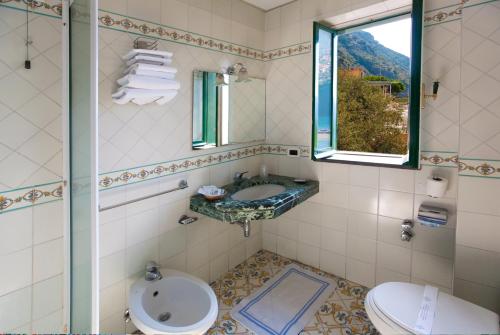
x: 267, y: 4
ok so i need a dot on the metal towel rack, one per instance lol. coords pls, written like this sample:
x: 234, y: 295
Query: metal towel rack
x: 182, y: 185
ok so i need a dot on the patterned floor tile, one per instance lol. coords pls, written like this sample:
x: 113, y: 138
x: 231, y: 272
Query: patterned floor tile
x: 342, y: 313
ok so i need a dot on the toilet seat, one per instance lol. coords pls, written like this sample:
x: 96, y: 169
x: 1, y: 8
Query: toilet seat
x: 393, y: 309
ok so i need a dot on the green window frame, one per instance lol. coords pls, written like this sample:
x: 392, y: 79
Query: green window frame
x: 209, y: 112
x: 326, y: 37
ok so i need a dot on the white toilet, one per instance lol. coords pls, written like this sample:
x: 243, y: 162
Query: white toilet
x: 393, y: 309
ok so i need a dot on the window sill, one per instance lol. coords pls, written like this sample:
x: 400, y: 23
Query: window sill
x: 361, y: 158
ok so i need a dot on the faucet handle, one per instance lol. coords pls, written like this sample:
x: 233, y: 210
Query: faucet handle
x: 152, y: 266
x: 239, y: 175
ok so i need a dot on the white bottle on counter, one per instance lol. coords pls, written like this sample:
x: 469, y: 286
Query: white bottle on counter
x: 263, y: 171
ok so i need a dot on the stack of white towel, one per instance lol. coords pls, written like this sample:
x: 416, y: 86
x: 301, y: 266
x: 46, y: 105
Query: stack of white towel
x: 148, y: 78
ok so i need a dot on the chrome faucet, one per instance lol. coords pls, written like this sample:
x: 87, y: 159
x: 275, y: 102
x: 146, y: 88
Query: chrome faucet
x: 153, y: 271
x: 239, y: 176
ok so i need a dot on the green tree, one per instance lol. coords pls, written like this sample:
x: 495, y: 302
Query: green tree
x: 368, y: 120
x: 396, y: 85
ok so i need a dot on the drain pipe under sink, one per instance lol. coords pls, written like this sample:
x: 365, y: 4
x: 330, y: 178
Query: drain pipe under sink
x: 245, y: 225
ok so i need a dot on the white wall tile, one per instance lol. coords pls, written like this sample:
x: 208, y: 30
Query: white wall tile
x: 112, y: 269
x: 47, y: 297
x: 219, y: 267
x: 362, y: 249
x: 18, y: 263
x: 363, y: 199
x: 15, y: 309
x: 434, y: 269
x: 308, y: 254
x: 15, y: 231
x: 478, y: 266
x: 286, y: 247
x: 309, y: 234
x: 363, y: 225
x: 333, y: 263
x: 385, y: 275
x: 48, y: 259
x: 333, y: 240
x: 397, y: 180
x: 269, y: 241
x: 394, y: 258
x: 366, y: 176
x: 396, y: 204
x: 48, y: 222
x: 479, y: 231
x: 360, y: 272
x: 486, y: 296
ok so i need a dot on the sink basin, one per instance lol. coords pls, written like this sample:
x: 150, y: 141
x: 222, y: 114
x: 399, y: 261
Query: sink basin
x: 176, y: 304
x: 258, y: 192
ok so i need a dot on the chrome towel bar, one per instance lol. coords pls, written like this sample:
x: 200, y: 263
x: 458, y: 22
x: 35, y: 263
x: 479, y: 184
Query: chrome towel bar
x: 182, y: 185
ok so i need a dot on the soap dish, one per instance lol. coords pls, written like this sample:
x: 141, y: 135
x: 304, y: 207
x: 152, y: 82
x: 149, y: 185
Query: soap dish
x: 214, y: 197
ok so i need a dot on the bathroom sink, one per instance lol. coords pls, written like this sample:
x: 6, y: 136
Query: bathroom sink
x: 258, y: 192
x: 176, y: 304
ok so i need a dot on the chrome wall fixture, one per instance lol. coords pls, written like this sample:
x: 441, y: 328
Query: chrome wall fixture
x: 435, y: 89
x: 240, y: 70
x: 182, y: 185
x: 245, y: 225
x: 407, y: 230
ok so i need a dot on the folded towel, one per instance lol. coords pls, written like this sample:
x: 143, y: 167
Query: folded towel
x: 135, y: 81
x: 150, y: 73
x: 140, y: 96
x: 154, y: 53
x: 150, y: 67
x: 166, y: 98
x: 149, y: 60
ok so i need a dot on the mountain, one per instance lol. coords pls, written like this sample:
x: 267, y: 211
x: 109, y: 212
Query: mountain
x: 360, y: 49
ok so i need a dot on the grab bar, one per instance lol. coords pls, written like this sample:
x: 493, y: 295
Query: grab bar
x: 182, y: 185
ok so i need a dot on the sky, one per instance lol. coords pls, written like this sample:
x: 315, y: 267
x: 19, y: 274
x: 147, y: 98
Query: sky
x: 394, y: 35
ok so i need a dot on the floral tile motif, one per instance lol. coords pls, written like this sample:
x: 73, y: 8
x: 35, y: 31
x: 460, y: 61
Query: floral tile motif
x: 438, y: 158
x: 445, y: 14
x: 48, y: 7
x: 479, y: 168
x: 30, y: 196
x: 342, y: 313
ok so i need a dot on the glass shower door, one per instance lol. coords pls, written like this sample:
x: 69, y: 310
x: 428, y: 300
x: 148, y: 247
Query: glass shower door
x: 82, y: 80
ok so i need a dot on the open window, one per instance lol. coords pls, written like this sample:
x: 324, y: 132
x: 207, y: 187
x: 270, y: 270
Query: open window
x: 366, y: 85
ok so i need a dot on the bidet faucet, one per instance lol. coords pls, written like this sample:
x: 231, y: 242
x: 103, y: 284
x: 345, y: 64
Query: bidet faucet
x: 239, y: 176
x: 153, y: 271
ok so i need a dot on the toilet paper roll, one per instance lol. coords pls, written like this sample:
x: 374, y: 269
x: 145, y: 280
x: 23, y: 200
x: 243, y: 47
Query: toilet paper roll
x: 436, y: 186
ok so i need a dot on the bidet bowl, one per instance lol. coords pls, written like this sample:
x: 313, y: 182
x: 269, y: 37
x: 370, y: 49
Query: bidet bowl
x: 176, y: 304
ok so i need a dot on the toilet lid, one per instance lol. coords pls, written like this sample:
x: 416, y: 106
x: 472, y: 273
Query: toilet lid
x: 400, y: 302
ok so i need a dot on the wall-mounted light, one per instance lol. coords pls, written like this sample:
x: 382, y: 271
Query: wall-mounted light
x: 435, y: 89
x: 240, y: 70
x: 220, y: 79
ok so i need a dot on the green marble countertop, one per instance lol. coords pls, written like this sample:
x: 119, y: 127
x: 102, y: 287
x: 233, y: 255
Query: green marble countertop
x: 230, y: 210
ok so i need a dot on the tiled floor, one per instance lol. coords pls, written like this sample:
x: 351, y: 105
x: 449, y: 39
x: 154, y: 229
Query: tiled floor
x: 342, y: 313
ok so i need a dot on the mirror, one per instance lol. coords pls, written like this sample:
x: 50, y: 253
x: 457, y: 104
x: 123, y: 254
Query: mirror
x: 227, y: 109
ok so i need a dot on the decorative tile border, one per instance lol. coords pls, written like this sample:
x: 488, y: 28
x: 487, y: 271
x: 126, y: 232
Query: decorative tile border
x: 479, y: 168
x: 133, y: 25
x: 30, y: 196
x: 293, y: 50
x: 109, y: 180
x: 439, y: 158
x: 49, y: 8
x: 445, y: 14
x: 128, y: 24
